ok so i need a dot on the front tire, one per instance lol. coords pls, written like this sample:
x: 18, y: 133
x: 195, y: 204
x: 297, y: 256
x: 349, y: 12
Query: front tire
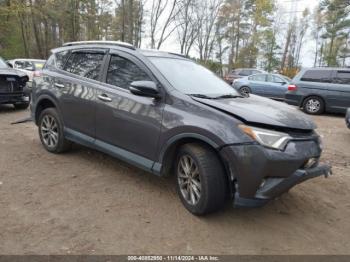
x: 51, y: 132
x: 313, y: 105
x: 201, y: 182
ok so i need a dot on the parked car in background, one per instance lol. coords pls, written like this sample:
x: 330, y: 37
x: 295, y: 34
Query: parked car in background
x: 241, y: 72
x: 347, y: 117
x: 12, y: 86
x: 170, y: 116
x: 319, y: 90
x: 31, y: 67
x: 268, y: 85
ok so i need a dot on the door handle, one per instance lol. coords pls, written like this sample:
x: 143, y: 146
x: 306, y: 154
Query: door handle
x: 104, y: 98
x: 59, y: 85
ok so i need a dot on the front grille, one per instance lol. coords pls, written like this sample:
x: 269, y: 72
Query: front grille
x: 11, y: 84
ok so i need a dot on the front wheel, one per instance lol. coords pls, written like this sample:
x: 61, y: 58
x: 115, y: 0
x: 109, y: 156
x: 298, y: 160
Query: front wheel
x: 201, y: 179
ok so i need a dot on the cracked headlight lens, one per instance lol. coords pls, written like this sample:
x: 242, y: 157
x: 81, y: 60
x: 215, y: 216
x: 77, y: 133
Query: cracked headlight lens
x: 266, y: 137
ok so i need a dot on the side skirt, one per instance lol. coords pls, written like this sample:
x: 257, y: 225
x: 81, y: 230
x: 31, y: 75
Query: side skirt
x: 122, y: 154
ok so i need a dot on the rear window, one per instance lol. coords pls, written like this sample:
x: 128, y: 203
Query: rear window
x: 320, y: 76
x: 85, y: 64
x: 342, y: 77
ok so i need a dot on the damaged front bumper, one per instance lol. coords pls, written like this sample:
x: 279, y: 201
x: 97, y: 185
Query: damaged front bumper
x: 274, y: 187
x: 259, y: 174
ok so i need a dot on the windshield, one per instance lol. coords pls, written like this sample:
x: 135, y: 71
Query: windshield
x: 3, y: 63
x: 191, y: 78
x: 39, y: 65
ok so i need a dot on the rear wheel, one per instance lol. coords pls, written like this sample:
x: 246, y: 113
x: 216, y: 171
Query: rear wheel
x: 51, y: 132
x: 313, y: 105
x: 21, y: 106
x: 201, y: 181
x: 245, y: 91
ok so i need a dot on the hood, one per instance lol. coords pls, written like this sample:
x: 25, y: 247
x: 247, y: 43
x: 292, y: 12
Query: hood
x: 260, y: 110
x: 11, y: 71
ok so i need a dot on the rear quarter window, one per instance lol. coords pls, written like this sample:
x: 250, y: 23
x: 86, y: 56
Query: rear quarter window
x: 342, y: 77
x: 319, y: 76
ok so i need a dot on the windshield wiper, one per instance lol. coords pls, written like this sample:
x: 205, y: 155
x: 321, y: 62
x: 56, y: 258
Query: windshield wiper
x: 201, y: 96
x: 227, y: 96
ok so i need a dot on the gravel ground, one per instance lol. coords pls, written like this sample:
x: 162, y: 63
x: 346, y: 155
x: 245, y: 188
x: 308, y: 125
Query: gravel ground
x: 85, y: 202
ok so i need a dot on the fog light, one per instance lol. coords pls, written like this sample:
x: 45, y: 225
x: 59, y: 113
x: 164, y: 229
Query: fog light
x: 310, y: 163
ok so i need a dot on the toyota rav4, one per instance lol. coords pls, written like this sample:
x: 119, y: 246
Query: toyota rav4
x: 168, y: 115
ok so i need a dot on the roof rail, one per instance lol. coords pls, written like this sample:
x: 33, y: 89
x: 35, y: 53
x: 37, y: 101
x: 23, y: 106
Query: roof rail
x: 118, y: 43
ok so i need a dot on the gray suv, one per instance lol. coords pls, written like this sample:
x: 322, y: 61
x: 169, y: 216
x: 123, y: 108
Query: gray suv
x: 319, y: 90
x: 168, y: 115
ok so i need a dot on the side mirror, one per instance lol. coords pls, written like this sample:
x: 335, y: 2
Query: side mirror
x: 144, y: 88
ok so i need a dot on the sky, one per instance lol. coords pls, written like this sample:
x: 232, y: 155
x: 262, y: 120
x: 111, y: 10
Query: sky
x: 307, y: 52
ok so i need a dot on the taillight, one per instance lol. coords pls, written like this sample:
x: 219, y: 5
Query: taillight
x: 292, y: 88
x: 37, y: 74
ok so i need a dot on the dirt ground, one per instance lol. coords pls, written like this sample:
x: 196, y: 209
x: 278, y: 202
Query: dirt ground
x: 85, y: 202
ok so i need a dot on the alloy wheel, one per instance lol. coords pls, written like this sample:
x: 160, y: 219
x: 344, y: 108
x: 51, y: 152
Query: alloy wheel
x: 244, y: 91
x: 49, y: 131
x: 189, y: 179
x: 313, y: 105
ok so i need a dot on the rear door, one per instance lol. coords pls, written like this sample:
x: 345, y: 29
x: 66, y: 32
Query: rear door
x: 76, y: 87
x: 127, y: 123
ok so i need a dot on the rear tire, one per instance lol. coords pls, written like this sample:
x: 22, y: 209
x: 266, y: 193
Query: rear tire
x: 51, y: 132
x: 200, y: 176
x: 21, y: 106
x: 313, y: 105
x: 245, y: 91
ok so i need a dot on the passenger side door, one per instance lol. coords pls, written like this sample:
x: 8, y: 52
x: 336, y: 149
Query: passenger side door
x: 75, y: 86
x: 277, y: 86
x: 127, y: 125
x: 257, y: 84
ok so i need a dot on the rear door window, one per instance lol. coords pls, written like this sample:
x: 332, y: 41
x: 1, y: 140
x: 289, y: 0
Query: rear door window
x: 342, y: 77
x: 320, y: 76
x: 121, y: 72
x: 259, y: 77
x: 85, y: 64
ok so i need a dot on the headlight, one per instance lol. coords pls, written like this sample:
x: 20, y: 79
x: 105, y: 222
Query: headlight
x: 265, y: 137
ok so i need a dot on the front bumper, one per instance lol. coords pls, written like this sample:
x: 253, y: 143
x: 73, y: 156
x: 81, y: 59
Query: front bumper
x: 274, y: 187
x: 14, y: 98
x: 259, y: 174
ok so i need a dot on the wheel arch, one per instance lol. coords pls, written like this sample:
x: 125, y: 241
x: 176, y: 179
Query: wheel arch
x: 45, y: 101
x: 313, y: 95
x: 169, y: 152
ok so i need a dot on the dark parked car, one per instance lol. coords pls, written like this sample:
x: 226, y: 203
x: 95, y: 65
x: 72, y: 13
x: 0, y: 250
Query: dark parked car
x: 168, y: 115
x: 347, y: 117
x: 319, y: 90
x: 239, y: 73
x: 269, y: 85
x: 12, y: 86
